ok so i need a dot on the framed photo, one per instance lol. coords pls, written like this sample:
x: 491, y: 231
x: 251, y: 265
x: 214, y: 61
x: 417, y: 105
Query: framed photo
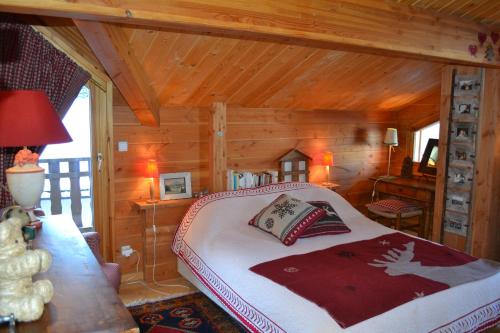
x: 456, y: 223
x: 467, y: 85
x: 465, y: 108
x: 460, y: 177
x: 463, y: 132
x: 458, y: 201
x: 175, y: 185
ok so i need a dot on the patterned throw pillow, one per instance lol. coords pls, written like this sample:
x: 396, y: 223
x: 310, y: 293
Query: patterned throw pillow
x: 286, y: 218
x: 330, y: 224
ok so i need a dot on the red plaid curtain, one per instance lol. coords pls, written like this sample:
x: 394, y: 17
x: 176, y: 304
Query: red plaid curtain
x: 28, y: 61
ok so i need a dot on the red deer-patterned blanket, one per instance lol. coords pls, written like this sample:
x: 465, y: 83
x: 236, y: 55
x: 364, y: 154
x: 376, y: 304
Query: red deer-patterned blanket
x: 359, y: 280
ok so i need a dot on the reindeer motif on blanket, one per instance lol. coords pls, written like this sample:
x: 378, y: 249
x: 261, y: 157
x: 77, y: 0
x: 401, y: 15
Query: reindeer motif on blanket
x: 399, y: 262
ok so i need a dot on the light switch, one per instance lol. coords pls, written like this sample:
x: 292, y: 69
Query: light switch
x: 122, y: 146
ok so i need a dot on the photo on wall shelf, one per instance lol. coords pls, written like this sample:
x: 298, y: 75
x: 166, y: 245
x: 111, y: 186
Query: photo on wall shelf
x: 175, y: 185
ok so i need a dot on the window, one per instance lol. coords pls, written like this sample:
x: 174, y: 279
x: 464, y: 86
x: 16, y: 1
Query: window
x: 421, y: 137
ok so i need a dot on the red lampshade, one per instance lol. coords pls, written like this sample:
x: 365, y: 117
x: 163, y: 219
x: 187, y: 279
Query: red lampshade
x: 27, y: 118
x: 328, y: 158
x: 152, y: 169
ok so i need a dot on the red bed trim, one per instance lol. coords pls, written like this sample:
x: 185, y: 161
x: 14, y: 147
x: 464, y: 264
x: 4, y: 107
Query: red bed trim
x: 252, y: 318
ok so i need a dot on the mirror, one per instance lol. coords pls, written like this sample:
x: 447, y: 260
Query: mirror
x: 429, y: 160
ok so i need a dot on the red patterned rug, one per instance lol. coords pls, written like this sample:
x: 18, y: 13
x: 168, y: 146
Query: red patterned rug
x: 192, y: 313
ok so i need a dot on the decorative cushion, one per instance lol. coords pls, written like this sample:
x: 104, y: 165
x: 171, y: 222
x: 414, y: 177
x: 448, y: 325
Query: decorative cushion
x: 330, y: 224
x: 287, y: 218
x: 393, y: 206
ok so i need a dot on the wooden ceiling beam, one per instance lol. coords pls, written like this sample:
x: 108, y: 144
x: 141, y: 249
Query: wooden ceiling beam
x: 371, y: 26
x: 111, y: 47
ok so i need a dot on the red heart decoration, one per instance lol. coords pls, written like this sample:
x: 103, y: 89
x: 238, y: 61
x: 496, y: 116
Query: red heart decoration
x: 473, y: 49
x: 494, y: 37
x: 481, y: 37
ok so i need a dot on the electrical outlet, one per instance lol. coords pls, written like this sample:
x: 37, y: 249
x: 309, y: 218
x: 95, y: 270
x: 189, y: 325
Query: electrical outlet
x: 127, y: 250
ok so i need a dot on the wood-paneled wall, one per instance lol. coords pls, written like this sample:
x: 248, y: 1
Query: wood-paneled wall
x: 180, y: 144
x: 256, y: 138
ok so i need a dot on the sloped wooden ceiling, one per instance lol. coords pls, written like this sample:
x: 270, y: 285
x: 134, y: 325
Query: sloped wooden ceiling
x: 198, y: 70
x: 480, y: 11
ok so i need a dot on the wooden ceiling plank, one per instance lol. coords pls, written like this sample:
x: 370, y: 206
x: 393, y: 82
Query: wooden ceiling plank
x: 146, y: 38
x: 288, y: 21
x: 284, y: 97
x: 235, y: 71
x: 212, y: 61
x: 274, y: 70
x: 110, y: 46
x: 220, y: 72
x: 253, y: 63
x: 294, y: 73
x: 181, y: 50
x: 191, y: 79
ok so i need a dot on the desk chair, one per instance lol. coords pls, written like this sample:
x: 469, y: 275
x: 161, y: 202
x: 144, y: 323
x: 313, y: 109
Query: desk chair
x: 397, y: 211
x: 110, y: 269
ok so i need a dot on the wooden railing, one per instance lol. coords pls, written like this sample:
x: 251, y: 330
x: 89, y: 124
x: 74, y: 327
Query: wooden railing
x: 61, y: 169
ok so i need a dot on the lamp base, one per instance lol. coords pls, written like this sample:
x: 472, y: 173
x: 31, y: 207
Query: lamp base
x: 26, y: 186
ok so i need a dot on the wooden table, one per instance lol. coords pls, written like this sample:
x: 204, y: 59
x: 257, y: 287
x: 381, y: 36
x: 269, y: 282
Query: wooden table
x: 84, y: 300
x: 166, y: 215
x: 417, y: 189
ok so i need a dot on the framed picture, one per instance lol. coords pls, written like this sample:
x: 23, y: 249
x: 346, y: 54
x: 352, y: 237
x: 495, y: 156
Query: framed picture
x: 465, y: 108
x: 463, y: 132
x: 467, y: 85
x: 175, y: 185
x: 460, y: 177
x: 456, y: 223
x: 458, y: 201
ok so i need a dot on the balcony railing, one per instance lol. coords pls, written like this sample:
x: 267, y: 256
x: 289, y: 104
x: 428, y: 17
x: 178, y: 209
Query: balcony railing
x: 67, y: 188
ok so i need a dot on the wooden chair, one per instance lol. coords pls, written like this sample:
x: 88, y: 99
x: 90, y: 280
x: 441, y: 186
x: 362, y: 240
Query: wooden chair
x: 397, y: 211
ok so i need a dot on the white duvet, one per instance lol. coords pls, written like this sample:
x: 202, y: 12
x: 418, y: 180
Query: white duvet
x: 217, y: 244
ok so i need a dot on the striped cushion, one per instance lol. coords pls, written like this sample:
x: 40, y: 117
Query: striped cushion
x: 287, y: 218
x: 330, y: 224
x: 393, y: 206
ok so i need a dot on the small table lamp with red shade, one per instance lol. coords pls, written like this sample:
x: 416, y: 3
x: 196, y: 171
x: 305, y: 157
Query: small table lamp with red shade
x: 27, y: 118
x: 152, y: 173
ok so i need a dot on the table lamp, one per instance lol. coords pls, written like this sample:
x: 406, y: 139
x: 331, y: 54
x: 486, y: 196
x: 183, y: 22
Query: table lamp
x: 27, y: 118
x: 391, y: 139
x: 328, y: 160
x: 152, y: 173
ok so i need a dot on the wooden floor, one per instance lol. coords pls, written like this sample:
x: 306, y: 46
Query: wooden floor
x: 140, y: 292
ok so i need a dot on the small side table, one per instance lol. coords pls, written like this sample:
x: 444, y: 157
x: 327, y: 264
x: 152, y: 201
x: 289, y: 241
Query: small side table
x: 330, y: 186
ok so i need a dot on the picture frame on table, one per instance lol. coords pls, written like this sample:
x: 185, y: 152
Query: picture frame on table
x: 175, y: 186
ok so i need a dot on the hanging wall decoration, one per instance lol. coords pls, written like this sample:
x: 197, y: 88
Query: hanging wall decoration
x: 461, y: 149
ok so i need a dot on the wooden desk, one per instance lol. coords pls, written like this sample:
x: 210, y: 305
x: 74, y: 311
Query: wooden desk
x: 413, y: 189
x: 84, y: 300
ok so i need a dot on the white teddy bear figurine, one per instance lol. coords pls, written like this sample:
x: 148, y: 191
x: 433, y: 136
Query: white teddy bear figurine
x: 18, y: 294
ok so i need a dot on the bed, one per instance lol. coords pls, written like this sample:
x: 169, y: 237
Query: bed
x: 216, y: 249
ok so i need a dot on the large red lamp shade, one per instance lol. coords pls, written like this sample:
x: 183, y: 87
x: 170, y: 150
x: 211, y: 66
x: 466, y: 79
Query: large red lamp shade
x: 27, y: 118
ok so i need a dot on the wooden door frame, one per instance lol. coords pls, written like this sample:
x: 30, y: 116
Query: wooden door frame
x: 101, y: 101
